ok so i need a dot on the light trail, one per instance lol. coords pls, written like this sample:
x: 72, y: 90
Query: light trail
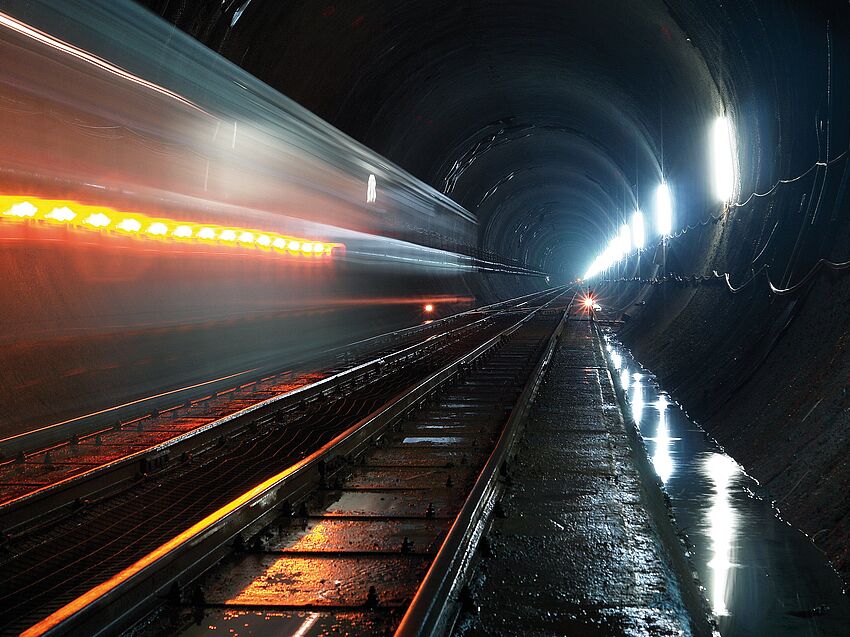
x: 39, y: 36
x: 113, y: 223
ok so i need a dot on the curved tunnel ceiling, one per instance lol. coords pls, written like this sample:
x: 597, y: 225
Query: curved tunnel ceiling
x: 551, y: 121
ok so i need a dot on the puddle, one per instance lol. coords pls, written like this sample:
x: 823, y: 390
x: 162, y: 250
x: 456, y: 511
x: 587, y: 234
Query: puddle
x: 762, y: 577
x: 432, y: 440
x: 274, y: 623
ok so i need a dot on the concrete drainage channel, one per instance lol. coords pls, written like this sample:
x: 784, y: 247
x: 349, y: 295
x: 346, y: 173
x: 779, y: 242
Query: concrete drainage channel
x: 390, y: 524
x: 659, y: 507
x: 167, y: 568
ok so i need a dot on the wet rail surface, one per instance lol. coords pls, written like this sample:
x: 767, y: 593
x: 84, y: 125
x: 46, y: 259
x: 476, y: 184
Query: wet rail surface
x: 353, y: 557
x: 49, y: 567
x: 30, y: 472
x: 580, y: 551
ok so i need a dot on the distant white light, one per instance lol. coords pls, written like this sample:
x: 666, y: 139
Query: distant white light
x: 592, y: 271
x: 663, y: 210
x: 723, y: 158
x: 615, y: 250
x: 625, y: 378
x: 595, y: 268
x: 372, y: 190
x: 625, y: 238
x: 638, y: 230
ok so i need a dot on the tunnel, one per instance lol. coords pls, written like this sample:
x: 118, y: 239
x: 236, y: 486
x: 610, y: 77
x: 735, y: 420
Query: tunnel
x: 677, y: 171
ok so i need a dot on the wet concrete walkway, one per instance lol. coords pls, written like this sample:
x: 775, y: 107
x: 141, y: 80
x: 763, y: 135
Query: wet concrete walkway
x: 578, y: 551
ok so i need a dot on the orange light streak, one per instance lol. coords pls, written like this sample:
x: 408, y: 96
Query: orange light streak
x: 72, y: 608
x: 109, y: 222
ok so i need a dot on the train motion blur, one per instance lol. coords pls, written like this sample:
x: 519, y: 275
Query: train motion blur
x: 166, y: 218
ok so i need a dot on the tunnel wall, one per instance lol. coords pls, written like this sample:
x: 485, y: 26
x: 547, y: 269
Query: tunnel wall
x: 763, y: 374
x: 759, y: 357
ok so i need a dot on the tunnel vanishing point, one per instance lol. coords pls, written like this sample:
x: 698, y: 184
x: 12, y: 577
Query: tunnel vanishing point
x: 424, y: 318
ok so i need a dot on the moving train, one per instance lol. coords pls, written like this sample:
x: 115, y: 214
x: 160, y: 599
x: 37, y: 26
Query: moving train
x: 166, y: 219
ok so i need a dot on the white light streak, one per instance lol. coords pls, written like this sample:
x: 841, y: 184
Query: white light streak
x: 663, y: 210
x: 638, y: 230
x: 723, y: 158
x: 625, y: 239
x: 371, y: 190
x: 24, y: 29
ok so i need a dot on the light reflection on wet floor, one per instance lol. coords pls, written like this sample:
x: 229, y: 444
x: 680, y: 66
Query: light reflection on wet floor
x: 762, y: 577
x: 235, y: 622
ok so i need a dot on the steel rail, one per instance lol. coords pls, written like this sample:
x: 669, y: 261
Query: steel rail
x: 434, y: 607
x: 51, y: 436
x: 111, y: 476
x: 115, y: 603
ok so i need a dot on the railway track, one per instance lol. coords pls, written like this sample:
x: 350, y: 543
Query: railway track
x: 354, y: 558
x: 33, y: 444
x: 99, y: 564
x: 82, y: 464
